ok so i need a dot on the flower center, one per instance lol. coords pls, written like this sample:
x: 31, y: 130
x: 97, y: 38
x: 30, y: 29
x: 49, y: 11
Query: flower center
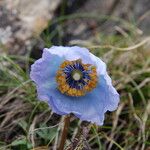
x: 75, y: 78
x: 76, y: 75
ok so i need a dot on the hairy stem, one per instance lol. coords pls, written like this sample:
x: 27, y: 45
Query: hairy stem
x: 64, y: 132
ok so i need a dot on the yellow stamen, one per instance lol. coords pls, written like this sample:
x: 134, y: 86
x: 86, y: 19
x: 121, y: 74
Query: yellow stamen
x: 65, y: 63
x: 63, y: 86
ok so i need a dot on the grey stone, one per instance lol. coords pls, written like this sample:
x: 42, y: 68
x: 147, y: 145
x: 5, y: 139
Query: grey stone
x: 22, y: 20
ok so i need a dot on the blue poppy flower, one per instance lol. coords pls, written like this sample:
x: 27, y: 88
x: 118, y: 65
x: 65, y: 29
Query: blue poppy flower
x: 73, y: 80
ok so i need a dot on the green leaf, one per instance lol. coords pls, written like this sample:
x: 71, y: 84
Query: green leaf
x: 19, y: 142
x: 23, y: 124
x: 47, y: 134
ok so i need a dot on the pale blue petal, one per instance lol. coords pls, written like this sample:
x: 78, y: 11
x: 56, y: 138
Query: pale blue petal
x: 75, y: 52
x: 71, y: 53
x: 100, y: 65
x: 43, y: 73
x: 90, y: 107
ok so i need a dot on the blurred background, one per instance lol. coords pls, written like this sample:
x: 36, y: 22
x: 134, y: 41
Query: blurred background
x: 117, y: 31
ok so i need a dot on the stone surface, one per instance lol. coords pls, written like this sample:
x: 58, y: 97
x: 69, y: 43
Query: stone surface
x: 22, y: 20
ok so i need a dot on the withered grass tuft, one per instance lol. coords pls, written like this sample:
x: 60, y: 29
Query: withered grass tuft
x: 26, y: 123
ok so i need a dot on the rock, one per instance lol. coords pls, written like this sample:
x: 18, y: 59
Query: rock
x: 23, y: 20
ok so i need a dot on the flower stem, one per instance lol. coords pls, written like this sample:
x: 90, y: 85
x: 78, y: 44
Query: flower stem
x: 64, y: 132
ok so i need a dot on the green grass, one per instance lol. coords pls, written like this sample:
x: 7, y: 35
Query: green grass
x: 26, y: 123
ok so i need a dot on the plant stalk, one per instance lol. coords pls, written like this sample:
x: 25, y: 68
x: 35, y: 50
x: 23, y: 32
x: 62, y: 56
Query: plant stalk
x: 64, y: 132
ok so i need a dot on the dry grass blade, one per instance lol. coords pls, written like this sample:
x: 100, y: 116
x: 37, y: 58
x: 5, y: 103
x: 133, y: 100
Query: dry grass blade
x: 115, y: 122
x: 147, y: 40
